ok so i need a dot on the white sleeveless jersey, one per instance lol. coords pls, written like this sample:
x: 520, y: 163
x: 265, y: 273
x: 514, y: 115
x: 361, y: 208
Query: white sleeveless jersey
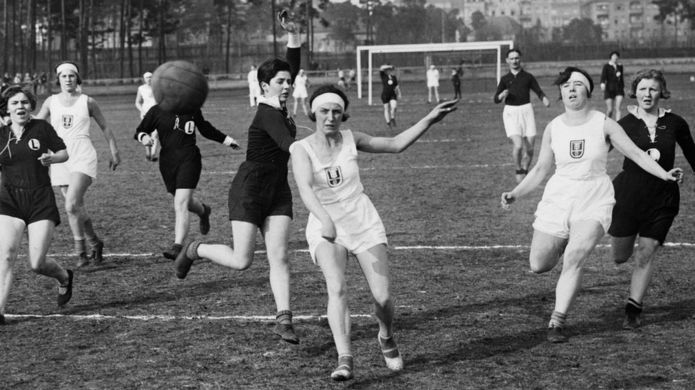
x: 581, y: 152
x: 147, y: 99
x: 73, y: 121
x: 339, y: 179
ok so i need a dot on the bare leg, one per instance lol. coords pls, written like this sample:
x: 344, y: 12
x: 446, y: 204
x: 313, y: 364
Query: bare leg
x: 241, y: 256
x: 618, y: 102
x: 332, y: 259
x: 40, y: 235
x: 11, y: 230
x: 276, y: 234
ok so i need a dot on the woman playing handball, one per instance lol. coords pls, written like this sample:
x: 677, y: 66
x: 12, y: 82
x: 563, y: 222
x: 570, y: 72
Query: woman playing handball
x: 575, y: 211
x: 28, y: 147
x: 260, y: 196
x: 645, y: 205
x: 71, y: 112
x: 343, y: 220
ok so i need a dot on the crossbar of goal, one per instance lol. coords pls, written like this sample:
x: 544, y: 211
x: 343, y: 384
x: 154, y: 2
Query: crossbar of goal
x: 422, y: 47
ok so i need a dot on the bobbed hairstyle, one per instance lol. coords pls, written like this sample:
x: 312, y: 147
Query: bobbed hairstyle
x: 12, y: 91
x: 510, y: 51
x: 650, y: 74
x: 329, y: 88
x: 617, y: 53
x: 268, y: 69
x: 79, y: 79
x: 567, y: 73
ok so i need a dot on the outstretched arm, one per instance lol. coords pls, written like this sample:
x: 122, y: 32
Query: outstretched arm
x: 95, y: 112
x: 402, y: 141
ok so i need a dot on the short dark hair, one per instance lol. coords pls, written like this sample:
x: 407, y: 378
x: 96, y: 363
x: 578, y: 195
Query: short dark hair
x: 617, y: 53
x: 650, y: 74
x: 567, y: 73
x: 510, y: 51
x: 270, y: 68
x: 329, y: 88
x: 14, y: 90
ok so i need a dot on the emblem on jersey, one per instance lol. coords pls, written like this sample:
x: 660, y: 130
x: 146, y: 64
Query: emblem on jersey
x: 654, y: 153
x: 189, y: 127
x: 334, y: 176
x: 34, y: 144
x: 67, y: 121
x: 576, y: 148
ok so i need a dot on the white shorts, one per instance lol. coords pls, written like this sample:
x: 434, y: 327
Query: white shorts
x: 300, y: 92
x: 566, y: 201
x: 82, y: 157
x: 519, y: 120
x: 357, y: 223
x: 433, y: 84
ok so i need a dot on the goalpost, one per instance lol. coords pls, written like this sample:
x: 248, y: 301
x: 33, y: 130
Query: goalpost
x: 423, y: 48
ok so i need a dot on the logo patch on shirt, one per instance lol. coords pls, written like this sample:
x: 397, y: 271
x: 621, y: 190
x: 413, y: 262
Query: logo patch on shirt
x: 576, y: 148
x: 654, y: 154
x: 189, y: 127
x: 334, y: 176
x: 34, y: 144
x: 67, y: 121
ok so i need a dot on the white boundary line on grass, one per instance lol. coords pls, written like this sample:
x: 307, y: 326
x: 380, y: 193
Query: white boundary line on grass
x: 397, y: 248
x: 153, y: 317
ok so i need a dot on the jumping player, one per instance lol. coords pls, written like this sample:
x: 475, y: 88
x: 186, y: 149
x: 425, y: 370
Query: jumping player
x: 181, y: 163
x: 575, y: 211
x: 28, y: 147
x: 144, y: 100
x: 645, y: 205
x: 514, y: 90
x: 71, y: 112
x: 390, y: 93
x: 260, y: 196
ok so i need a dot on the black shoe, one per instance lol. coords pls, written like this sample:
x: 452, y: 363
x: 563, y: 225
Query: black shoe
x: 83, y: 260
x: 205, y: 220
x: 286, y: 333
x: 632, y: 321
x: 183, y: 263
x: 172, y: 252
x: 555, y: 335
x: 98, y: 252
x: 65, y: 291
x: 2, y: 319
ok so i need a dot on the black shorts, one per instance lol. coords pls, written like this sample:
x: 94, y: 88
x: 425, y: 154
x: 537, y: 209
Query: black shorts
x: 258, y: 191
x: 612, y: 93
x: 387, y: 97
x: 184, y: 173
x: 644, y: 206
x: 29, y: 205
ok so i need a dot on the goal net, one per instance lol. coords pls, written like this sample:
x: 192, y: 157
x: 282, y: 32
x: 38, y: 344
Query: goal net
x: 485, y: 57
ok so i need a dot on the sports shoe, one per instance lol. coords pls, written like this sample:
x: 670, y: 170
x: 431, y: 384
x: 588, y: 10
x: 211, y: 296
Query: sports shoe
x: 183, y: 263
x: 83, y: 260
x: 286, y: 333
x: 205, y: 220
x: 632, y: 321
x: 555, y: 335
x: 344, y: 370
x: 98, y: 252
x: 65, y: 291
x: 172, y: 252
x: 393, y: 358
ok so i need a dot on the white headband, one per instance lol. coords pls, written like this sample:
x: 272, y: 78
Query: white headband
x: 324, y: 98
x: 147, y: 74
x: 66, y: 66
x: 577, y: 76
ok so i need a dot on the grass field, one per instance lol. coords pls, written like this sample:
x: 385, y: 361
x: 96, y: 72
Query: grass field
x: 470, y: 314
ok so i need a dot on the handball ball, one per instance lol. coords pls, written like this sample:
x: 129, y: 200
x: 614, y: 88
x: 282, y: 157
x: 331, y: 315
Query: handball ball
x: 179, y: 87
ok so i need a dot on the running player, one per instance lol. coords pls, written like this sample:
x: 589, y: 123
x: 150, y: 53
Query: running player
x: 613, y: 85
x: 390, y: 93
x: 575, y: 211
x: 343, y: 220
x: 180, y: 164
x: 514, y: 90
x: 260, y: 196
x: 71, y: 112
x: 645, y: 205
x: 144, y: 100
x: 28, y: 147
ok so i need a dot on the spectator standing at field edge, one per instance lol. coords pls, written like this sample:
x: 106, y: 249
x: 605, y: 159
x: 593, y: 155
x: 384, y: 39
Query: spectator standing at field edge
x: 514, y: 90
x: 144, y: 100
x: 613, y: 85
x: 390, y: 93
x: 575, y: 211
x: 343, y: 220
x: 432, y: 84
x: 260, y: 196
x: 26, y: 196
x: 71, y: 112
x: 645, y: 205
